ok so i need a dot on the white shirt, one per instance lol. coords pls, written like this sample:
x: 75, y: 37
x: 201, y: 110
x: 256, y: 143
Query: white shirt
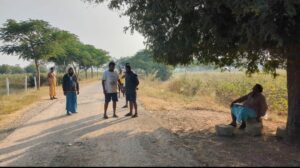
x: 110, y: 81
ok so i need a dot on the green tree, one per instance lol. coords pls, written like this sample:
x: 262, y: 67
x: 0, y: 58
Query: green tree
x: 31, y: 68
x: 90, y: 57
x: 100, y: 57
x: 8, y: 69
x: 143, y: 61
x: 31, y: 40
x: 17, y: 69
x: 70, y: 45
x: 239, y: 33
x: 5, y: 69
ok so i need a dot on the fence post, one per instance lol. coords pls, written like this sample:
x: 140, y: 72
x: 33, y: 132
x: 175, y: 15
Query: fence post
x: 7, y: 86
x: 25, y: 84
x: 35, y: 87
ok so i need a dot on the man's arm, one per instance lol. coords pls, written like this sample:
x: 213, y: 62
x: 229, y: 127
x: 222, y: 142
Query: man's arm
x: 240, y: 100
x: 64, y: 84
x: 103, y: 86
x: 120, y: 83
x: 77, y: 85
x: 263, y: 107
x: 104, y: 78
x: 137, y: 81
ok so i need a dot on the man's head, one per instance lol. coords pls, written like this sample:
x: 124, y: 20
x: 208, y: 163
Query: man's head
x: 128, y: 68
x: 111, y: 66
x: 71, y: 71
x: 257, y: 88
x: 52, y: 69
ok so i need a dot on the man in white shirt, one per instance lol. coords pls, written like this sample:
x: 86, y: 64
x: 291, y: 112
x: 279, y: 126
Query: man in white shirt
x: 110, y: 81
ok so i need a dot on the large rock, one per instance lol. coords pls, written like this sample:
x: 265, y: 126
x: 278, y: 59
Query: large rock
x: 281, y: 132
x: 224, y: 130
x: 254, y: 128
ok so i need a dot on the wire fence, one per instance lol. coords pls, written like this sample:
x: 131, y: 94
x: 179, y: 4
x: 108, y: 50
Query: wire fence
x: 19, y: 83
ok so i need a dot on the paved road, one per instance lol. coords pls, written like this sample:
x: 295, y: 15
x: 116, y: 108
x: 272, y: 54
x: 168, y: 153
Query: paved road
x: 53, y: 139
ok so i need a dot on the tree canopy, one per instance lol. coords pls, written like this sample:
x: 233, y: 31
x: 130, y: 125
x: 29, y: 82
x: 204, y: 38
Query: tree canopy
x: 240, y: 33
x: 226, y: 32
x: 30, y: 40
x: 37, y: 40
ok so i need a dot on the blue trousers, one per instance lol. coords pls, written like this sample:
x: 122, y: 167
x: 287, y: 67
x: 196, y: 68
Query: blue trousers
x: 242, y: 113
x: 71, y: 105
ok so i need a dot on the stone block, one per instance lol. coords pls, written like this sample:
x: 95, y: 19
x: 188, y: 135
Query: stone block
x: 254, y: 128
x: 281, y: 132
x: 224, y: 130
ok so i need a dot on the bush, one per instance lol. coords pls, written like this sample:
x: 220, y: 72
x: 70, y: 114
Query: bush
x: 185, y: 85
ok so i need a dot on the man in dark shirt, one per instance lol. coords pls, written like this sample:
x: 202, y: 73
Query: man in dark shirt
x: 254, y: 106
x: 131, y: 83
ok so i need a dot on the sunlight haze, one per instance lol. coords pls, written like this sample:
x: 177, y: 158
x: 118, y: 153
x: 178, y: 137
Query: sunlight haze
x: 93, y: 24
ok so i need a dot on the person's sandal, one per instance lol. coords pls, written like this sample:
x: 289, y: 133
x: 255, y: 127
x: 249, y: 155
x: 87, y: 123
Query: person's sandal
x: 242, y: 127
x: 134, y: 116
x: 232, y: 124
x: 105, y: 117
x: 115, y: 116
x: 128, y: 115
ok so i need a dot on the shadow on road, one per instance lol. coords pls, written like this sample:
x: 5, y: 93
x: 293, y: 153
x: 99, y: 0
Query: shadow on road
x: 78, y: 129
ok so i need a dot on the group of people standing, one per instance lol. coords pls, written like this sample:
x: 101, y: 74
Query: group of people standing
x: 112, y: 82
x: 248, y: 107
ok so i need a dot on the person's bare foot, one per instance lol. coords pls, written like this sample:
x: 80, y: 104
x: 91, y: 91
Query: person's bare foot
x: 125, y: 106
x: 115, y: 116
x: 55, y: 98
x: 128, y: 114
x: 105, y: 117
x: 135, y: 115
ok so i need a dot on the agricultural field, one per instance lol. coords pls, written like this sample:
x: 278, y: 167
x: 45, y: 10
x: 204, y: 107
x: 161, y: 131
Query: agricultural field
x: 213, y: 91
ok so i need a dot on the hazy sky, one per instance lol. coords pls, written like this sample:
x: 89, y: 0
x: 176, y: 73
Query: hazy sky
x: 94, y: 24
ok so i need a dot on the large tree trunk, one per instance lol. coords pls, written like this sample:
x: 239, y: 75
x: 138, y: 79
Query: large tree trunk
x: 293, y: 82
x: 38, y: 74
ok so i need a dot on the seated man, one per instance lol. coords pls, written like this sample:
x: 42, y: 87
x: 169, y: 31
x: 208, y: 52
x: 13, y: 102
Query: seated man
x: 253, y: 106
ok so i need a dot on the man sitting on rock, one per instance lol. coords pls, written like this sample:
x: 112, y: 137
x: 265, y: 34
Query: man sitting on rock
x: 250, y: 106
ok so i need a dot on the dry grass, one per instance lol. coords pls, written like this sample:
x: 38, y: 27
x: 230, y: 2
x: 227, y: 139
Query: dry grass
x: 14, y: 102
x: 212, y: 91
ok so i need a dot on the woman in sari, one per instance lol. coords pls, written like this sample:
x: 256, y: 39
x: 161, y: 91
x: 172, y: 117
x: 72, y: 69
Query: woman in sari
x: 52, y: 84
x: 71, y: 90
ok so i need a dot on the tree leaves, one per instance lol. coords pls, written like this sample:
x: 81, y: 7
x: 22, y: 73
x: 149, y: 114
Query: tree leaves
x: 179, y: 31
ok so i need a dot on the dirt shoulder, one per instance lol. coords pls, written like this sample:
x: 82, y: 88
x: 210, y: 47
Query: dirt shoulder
x: 196, y: 130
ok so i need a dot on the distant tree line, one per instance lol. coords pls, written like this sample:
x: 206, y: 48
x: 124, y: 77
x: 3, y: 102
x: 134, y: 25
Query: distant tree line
x: 143, y: 62
x: 16, y: 69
